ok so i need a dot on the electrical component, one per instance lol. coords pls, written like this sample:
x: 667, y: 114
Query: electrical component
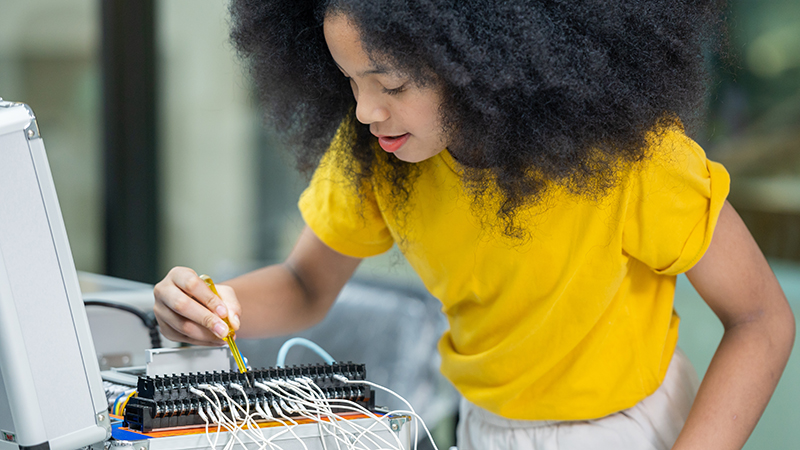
x: 173, y: 401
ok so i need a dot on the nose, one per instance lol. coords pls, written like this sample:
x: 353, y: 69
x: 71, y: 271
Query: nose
x: 369, y: 109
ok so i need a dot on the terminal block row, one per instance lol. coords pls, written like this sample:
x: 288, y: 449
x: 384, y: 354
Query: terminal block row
x: 168, y: 401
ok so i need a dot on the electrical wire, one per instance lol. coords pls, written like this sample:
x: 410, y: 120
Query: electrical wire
x: 296, y: 397
x: 320, y: 412
x: 119, y: 408
x: 116, y: 402
x: 305, y: 343
x: 344, y: 379
x: 299, y: 397
x: 148, y: 320
x: 356, y: 407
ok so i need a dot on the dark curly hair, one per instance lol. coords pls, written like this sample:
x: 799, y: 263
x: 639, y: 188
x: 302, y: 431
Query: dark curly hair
x: 535, y: 93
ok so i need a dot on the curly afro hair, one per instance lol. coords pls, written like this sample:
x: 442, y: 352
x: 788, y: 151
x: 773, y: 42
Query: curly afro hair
x: 535, y: 93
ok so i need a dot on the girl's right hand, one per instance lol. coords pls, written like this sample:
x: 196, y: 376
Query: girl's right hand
x: 187, y: 310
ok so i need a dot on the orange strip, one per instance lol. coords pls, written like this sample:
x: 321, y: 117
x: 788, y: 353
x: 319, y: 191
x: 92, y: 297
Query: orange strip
x: 200, y: 429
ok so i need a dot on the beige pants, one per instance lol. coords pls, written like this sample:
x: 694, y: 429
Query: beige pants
x: 652, y: 424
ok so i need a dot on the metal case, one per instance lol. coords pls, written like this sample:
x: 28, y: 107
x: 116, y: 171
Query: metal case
x: 52, y: 395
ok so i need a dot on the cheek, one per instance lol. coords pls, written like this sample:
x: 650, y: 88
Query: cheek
x: 433, y: 122
x: 425, y: 115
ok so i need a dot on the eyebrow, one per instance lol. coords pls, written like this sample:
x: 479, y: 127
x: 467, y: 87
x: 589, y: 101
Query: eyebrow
x: 375, y: 71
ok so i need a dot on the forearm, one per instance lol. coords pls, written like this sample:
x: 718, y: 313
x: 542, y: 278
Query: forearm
x: 274, y: 302
x: 295, y: 295
x: 739, y: 382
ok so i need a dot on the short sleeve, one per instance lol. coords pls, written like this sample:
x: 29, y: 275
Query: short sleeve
x: 674, y: 201
x: 345, y: 219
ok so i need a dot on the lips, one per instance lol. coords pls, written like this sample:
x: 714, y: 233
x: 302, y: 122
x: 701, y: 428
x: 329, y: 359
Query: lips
x: 392, y: 144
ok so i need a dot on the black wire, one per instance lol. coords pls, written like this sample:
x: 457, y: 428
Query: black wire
x: 148, y: 320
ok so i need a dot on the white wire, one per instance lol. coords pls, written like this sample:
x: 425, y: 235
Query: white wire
x: 318, y: 402
x: 344, y: 379
x: 318, y: 419
x: 303, y: 397
x: 353, y: 406
x: 358, y: 408
x: 210, y: 413
x: 234, y: 429
x: 318, y: 397
x: 291, y: 430
x: 419, y: 419
x: 235, y: 415
x: 222, y: 419
x: 248, y: 420
x: 268, y: 416
x: 219, y: 425
x: 205, y: 419
x: 331, y: 416
x: 369, y: 414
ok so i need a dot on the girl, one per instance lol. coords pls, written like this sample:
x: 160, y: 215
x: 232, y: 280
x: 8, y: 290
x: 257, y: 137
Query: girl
x: 529, y: 159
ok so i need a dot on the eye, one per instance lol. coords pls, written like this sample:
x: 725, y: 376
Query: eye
x: 394, y: 91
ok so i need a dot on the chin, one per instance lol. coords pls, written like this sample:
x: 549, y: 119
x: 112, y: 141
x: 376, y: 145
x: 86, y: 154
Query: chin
x: 415, y: 156
x: 408, y: 159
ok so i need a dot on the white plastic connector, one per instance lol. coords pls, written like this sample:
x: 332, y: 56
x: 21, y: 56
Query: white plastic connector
x: 202, y: 414
x: 211, y: 414
x: 196, y: 392
x: 267, y: 411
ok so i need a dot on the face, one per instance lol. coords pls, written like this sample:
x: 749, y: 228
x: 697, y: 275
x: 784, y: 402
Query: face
x: 402, y: 115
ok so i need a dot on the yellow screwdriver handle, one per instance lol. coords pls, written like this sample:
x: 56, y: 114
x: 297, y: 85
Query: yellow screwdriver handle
x: 229, y: 338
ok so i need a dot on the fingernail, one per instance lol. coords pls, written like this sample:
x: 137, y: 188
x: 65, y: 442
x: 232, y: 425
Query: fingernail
x: 236, y: 322
x: 221, y: 330
x: 222, y: 311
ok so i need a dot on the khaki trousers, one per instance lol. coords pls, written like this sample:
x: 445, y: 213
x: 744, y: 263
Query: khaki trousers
x: 652, y: 424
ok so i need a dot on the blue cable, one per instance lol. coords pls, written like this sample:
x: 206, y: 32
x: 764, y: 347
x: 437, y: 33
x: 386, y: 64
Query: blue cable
x: 114, y: 407
x: 305, y: 343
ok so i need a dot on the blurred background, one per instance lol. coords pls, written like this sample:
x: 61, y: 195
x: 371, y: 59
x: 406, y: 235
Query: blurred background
x: 163, y: 160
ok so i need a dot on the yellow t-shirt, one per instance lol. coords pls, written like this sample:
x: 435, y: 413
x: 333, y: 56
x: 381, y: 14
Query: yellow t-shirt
x: 574, y: 323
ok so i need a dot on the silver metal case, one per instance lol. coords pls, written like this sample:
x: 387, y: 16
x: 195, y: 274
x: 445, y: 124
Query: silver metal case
x: 52, y: 395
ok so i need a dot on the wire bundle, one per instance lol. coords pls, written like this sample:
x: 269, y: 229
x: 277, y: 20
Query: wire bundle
x: 293, y: 399
x: 319, y: 393
x: 119, y: 403
x: 164, y: 402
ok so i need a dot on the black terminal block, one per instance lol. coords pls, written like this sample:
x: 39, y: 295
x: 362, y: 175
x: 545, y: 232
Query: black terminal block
x: 167, y: 401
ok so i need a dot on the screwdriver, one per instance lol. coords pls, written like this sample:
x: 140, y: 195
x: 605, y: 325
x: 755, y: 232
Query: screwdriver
x: 229, y: 338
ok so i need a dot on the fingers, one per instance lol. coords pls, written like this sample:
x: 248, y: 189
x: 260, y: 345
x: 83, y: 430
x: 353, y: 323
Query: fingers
x: 176, y: 328
x: 191, y: 284
x: 184, y: 306
x: 185, y: 315
x: 232, y: 304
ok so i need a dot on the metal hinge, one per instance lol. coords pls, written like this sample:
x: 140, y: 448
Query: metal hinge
x: 32, y: 130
